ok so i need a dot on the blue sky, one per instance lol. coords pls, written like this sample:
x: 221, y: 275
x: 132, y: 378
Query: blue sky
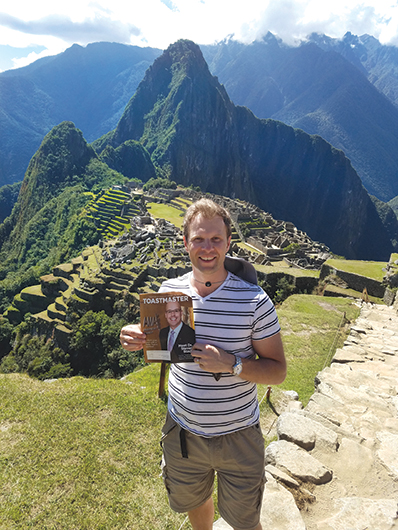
x: 30, y: 30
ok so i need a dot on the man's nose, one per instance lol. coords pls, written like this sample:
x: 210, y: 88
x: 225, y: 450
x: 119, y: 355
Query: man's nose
x: 207, y: 244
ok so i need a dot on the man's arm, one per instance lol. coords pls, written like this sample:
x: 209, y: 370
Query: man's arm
x: 269, y: 368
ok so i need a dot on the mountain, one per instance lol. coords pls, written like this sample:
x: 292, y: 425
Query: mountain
x: 377, y: 61
x: 46, y: 225
x: 315, y: 87
x: 393, y: 204
x: 184, y: 118
x: 324, y: 86
x: 8, y: 197
x: 89, y: 86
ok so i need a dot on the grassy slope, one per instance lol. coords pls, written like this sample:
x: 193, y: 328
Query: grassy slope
x: 370, y: 269
x: 166, y: 211
x: 84, y: 454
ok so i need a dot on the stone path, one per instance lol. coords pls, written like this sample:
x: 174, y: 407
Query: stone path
x: 335, y: 464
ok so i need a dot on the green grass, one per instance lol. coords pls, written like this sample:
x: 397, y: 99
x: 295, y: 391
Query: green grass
x: 310, y: 331
x: 370, y: 269
x: 340, y: 291
x: 165, y: 211
x: 84, y: 454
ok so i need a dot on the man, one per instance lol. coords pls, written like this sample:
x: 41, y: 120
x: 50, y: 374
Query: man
x: 177, y: 337
x: 213, y: 423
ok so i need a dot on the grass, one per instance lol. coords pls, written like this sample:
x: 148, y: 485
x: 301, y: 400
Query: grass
x: 84, y: 454
x: 311, y: 333
x: 334, y: 290
x: 370, y: 269
x: 165, y: 211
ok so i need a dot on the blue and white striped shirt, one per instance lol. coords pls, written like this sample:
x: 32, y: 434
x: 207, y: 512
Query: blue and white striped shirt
x: 231, y: 317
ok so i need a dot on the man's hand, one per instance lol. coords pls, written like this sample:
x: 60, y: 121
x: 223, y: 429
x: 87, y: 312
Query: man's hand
x: 132, y: 338
x: 269, y: 368
x: 212, y: 359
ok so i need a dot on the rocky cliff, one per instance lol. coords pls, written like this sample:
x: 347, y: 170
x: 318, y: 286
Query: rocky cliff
x: 190, y: 127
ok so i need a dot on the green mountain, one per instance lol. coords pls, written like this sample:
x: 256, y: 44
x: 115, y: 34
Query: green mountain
x: 330, y: 87
x: 197, y: 136
x: 47, y: 224
x: 8, y: 197
x: 89, y: 86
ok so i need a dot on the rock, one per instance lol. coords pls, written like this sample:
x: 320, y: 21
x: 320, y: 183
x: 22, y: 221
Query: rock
x: 281, y: 476
x: 355, y: 513
x: 354, y: 461
x: 279, y: 511
x: 304, y: 432
x: 297, y: 462
x: 388, y: 452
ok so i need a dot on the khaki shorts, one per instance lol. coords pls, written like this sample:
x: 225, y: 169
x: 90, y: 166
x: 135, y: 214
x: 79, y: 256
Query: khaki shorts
x: 238, y: 459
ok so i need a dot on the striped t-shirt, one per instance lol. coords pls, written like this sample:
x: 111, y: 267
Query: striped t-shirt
x: 231, y: 317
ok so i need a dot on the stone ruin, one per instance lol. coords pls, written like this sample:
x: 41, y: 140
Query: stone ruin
x: 271, y: 240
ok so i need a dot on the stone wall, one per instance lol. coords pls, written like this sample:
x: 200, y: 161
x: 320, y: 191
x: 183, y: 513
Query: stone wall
x: 355, y: 281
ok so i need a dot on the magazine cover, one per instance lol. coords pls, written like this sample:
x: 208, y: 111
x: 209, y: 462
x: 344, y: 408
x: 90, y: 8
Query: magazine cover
x: 168, y: 322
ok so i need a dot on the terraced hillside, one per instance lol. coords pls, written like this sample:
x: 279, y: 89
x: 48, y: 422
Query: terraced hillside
x: 112, y: 210
x: 149, y: 248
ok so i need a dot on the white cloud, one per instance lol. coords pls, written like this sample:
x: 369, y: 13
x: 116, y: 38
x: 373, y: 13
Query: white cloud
x: 158, y: 23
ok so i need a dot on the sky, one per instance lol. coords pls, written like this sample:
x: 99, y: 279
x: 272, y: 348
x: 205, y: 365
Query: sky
x: 30, y: 30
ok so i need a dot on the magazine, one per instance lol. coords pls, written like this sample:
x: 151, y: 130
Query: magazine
x: 168, y: 322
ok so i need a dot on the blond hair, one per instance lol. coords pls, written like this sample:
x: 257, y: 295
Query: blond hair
x: 209, y: 209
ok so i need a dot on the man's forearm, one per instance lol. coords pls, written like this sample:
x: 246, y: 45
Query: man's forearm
x: 263, y: 371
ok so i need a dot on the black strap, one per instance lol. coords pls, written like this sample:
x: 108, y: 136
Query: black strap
x: 183, y: 444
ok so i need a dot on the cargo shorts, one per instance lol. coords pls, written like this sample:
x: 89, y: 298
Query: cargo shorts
x: 190, y: 462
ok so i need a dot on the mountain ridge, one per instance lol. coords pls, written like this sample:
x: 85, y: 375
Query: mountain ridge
x: 320, y: 91
x: 89, y: 86
x: 165, y: 116
x: 194, y: 132
x: 37, y: 97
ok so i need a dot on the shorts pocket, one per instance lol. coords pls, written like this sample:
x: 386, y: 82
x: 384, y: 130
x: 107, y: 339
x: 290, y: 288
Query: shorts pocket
x: 168, y: 426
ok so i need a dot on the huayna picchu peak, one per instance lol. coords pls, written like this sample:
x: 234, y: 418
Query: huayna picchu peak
x: 197, y: 136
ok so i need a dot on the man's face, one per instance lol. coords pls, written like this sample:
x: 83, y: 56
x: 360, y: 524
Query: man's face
x: 173, y: 314
x: 207, y: 244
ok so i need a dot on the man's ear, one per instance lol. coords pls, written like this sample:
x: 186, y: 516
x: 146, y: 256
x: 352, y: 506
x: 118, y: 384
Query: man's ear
x: 229, y: 242
x: 185, y: 243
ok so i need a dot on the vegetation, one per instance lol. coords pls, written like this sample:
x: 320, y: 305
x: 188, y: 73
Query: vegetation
x: 37, y: 357
x: 155, y: 183
x: 370, y: 269
x: 95, y: 347
x: 48, y: 224
x: 8, y: 197
x: 59, y: 231
x: 312, y: 328
x: 84, y: 453
x: 131, y: 159
x: 166, y: 211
